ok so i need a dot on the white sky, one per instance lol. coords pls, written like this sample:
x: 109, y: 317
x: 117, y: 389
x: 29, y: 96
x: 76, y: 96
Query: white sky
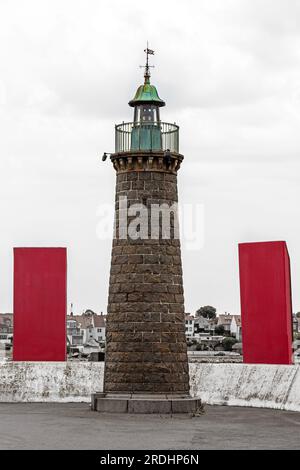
x: 229, y: 71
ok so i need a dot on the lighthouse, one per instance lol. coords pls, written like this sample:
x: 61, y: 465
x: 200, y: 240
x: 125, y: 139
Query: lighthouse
x: 146, y: 364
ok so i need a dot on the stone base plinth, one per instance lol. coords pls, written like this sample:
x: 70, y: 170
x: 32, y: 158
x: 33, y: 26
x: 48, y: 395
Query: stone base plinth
x: 145, y: 404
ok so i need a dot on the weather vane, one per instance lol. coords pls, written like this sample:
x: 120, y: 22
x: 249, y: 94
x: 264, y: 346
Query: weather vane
x: 147, y: 66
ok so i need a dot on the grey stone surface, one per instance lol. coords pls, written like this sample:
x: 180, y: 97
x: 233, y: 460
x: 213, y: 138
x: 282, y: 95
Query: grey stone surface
x: 111, y: 405
x: 149, y: 406
x: 74, y: 426
x: 190, y: 405
x: 94, y: 397
x: 144, y: 404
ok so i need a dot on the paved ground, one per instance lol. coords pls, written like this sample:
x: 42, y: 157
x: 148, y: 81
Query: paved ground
x: 74, y: 426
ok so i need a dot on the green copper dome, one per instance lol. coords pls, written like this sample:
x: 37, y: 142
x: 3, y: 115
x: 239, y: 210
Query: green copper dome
x: 146, y: 93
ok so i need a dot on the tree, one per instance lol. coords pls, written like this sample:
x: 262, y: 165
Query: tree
x: 298, y: 314
x: 228, y: 343
x: 206, y: 312
x: 220, y: 330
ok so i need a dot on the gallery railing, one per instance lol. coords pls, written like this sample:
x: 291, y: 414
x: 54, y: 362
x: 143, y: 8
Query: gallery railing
x: 135, y: 136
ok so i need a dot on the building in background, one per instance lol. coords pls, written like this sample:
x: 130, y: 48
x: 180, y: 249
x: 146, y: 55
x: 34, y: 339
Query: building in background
x: 231, y: 324
x: 296, y: 323
x: 236, y: 327
x: 86, y: 333
x: 189, y: 325
x: 74, y: 333
x: 225, y: 321
x: 204, y: 325
x: 6, y: 330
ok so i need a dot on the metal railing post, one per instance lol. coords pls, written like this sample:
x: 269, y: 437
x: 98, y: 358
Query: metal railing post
x: 169, y: 135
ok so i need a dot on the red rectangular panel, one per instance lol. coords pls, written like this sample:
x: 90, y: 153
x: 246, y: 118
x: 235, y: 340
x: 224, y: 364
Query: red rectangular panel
x: 266, y: 305
x: 40, y: 276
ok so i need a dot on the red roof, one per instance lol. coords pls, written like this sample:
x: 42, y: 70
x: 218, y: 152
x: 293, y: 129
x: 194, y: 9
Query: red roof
x: 99, y: 321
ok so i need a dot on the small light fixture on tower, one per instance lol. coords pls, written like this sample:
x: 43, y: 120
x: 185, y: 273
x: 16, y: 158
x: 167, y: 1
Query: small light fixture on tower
x: 105, y: 155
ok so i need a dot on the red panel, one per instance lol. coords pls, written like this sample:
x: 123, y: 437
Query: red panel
x: 266, y: 305
x: 40, y: 276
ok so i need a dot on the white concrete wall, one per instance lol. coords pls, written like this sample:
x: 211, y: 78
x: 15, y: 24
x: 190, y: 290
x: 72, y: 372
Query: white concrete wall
x: 266, y: 386
x: 50, y: 381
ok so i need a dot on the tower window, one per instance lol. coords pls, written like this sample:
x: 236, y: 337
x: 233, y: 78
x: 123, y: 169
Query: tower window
x: 147, y: 114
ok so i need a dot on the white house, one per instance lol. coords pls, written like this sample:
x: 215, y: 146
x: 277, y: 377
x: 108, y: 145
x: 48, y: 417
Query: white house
x: 86, y: 331
x: 74, y: 334
x: 236, y: 327
x: 93, y: 326
x: 189, y: 325
x: 6, y: 329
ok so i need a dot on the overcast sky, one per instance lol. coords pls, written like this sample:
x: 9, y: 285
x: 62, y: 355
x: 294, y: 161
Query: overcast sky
x: 229, y: 71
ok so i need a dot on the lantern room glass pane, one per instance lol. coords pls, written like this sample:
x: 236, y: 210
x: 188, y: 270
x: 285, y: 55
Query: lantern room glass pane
x: 146, y: 131
x: 146, y: 113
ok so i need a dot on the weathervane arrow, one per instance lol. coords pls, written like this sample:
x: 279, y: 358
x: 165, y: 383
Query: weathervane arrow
x: 147, y: 66
x: 149, y: 51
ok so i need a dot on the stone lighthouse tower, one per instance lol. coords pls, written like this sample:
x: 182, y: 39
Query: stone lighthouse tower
x: 146, y: 366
